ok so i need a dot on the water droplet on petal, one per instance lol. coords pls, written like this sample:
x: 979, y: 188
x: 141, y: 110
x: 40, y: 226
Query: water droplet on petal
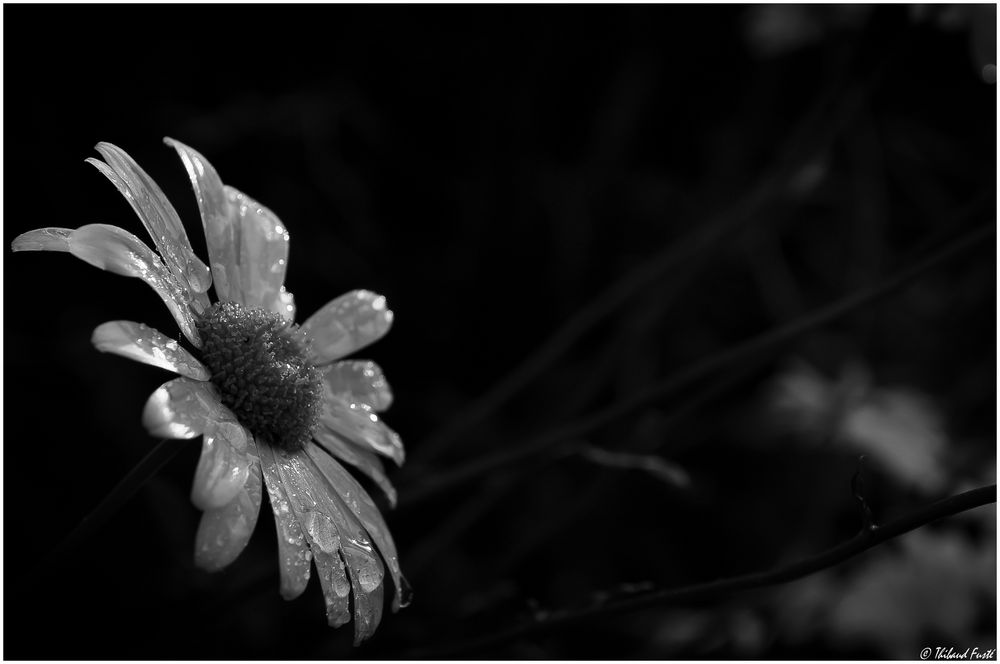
x: 405, y: 592
x: 322, y: 531
x: 369, y: 579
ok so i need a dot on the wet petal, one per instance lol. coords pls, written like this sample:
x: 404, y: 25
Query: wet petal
x: 366, y: 580
x: 43, y: 239
x: 362, y: 459
x: 160, y: 219
x: 223, y: 533
x: 113, y: 249
x: 357, y: 500
x: 365, y: 567
x: 294, y: 556
x: 316, y: 514
x: 223, y: 468
x: 367, y: 572
x: 144, y: 344
x: 185, y: 408
x: 358, y: 423
x: 333, y: 578
x: 262, y: 255
x: 346, y: 324
x: 218, y: 220
x: 359, y: 381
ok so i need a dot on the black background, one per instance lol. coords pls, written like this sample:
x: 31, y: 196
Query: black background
x: 493, y: 170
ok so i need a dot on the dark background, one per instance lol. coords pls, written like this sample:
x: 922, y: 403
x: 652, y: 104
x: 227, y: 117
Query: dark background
x: 494, y: 171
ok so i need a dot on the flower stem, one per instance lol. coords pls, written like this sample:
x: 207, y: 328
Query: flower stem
x: 136, y: 478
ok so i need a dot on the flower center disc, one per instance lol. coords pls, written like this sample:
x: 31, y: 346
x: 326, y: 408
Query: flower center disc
x: 258, y: 364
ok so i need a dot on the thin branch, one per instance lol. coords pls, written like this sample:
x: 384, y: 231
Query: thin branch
x: 765, y: 342
x: 703, y: 592
x: 136, y: 478
x: 445, y: 532
x: 709, y: 232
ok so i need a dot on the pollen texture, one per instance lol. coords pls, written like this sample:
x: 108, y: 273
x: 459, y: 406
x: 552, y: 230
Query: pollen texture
x: 259, y: 366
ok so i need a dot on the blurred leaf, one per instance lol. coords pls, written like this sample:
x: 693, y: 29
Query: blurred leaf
x: 900, y: 428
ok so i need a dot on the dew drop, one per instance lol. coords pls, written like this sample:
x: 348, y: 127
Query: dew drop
x: 340, y: 585
x: 405, y: 592
x: 322, y: 531
x: 369, y: 579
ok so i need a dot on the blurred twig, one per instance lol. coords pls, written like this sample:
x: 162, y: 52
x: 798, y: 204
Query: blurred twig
x: 603, y: 486
x: 142, y: 472
x: 815, y: 132
x: 864, y: 540
x: 762, y: 343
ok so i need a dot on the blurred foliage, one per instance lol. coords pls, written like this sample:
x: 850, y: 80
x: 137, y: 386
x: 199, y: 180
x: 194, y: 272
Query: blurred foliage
x: 492, y: 170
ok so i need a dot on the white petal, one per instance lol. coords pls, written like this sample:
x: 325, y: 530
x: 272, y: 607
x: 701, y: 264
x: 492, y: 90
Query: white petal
x: 262, y: 255
x: 223, y: 533
x: 366, y: 580
x: 357, y: 500
x: 144, y: 344
x: 43, y: 239
x: 359, y: 381
x: 317, y: 516
x: 367, y: 573
x: 217, y: 218
x: 223, y: 467
x: 185, y: 408
x: 113, y: 249
x: 359, y: 423
x: 362, y: 459
x: 346, y: 324
x: 160, y: 219
x: 336, y: 586
x: 294, y: 556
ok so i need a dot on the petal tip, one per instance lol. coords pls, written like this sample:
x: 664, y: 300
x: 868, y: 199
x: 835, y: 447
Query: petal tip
x: 207, y: 563
x: 159, y: 420
x: 42, y: 239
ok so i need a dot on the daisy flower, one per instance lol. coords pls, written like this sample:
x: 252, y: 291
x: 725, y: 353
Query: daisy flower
x: 276, y: 406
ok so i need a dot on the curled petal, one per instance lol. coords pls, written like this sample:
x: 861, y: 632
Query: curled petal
x: 222, y: 231
x: 294, y: 556
x: 359, y: 423
x: 223, y: 533
x: 43, y: 239
x: 143, y: 344
x: 357, y: 500
x: 160, y: 219
x: 185, y: 408
x: 362, y: 459
x: 346, y: 324
x: 316, y: 514
x: 113, y: 249
x: 223, y: 468
x: 360, y: 381
x: 247, y: 243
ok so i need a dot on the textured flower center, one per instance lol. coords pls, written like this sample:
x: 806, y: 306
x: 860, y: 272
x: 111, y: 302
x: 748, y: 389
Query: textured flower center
x: 258, y: 364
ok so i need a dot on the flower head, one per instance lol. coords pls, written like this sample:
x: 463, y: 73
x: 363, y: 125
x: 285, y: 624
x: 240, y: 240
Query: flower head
x: 276, y: 406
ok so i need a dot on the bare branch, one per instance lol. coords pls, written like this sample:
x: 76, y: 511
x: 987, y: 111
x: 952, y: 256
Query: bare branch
x: 762, y: 343
x: 817, y: 130
x: 867, y: 538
